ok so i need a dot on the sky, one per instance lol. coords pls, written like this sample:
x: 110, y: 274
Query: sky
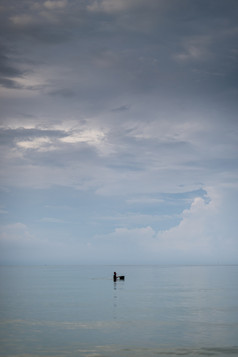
x: 118, y: 132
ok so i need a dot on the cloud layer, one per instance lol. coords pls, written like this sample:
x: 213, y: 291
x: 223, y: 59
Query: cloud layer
x: 118, y: 131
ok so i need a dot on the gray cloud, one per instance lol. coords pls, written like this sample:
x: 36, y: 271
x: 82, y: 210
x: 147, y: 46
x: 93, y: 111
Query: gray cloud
x: 8, y: 71
x: 64, y: 92
x: 9, y: 135
x: 122, y: 108
x: 120, y: 101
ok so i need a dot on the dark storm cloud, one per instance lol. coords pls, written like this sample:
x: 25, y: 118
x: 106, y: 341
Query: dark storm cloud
x: 9, y: 83
x: 181, y: 48
x: 27, y: 20
x: 133, y: 46
x: 8, y: 71
x: 24, y: 24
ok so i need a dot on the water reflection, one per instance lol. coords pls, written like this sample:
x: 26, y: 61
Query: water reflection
x: 117, y: 290
x: 115, y: 301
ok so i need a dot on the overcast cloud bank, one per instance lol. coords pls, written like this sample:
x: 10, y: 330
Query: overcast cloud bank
x: 118, y: 132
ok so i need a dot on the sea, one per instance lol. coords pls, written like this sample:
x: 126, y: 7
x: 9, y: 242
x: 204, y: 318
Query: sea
x: 79, y: 311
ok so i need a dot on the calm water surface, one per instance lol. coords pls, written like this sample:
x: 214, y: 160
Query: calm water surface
x: 156, y: 311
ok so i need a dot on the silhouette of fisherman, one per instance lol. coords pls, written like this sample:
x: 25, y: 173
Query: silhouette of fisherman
x: 120, y: 277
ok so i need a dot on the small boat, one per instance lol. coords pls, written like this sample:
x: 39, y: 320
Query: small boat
x: 119, y: 277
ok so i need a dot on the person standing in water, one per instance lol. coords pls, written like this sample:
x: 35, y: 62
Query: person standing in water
x: 115, y: 276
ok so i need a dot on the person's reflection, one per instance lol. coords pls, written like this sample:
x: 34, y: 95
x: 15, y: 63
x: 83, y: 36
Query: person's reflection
x: 115, y: 301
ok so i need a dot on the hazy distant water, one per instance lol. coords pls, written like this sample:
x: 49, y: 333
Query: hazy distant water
x: 156, y: 311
